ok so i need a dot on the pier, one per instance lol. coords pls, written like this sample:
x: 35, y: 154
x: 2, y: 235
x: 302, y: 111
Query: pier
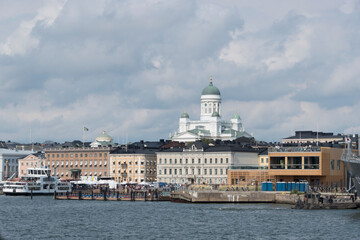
x: 113, y: 195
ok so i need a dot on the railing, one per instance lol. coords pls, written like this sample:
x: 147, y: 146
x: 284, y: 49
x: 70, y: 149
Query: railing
x: 294, y: 166
x: 311, y: 166
x: 249, y: 167
x: 294, y: 149
x: 277, y: 166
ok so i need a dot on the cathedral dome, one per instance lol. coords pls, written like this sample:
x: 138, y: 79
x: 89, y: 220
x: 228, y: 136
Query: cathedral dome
x: 236, y: 116
x: 185, y: 115
x: 211, y: 89
x: 104, y: 137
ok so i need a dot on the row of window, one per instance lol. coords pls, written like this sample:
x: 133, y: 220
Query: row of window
x: 76, y: 163
x: 135, y: 163
x: 264, y: 160
x: 192, y: 171
x: 84, y: 174
x: 148, y: 171
x: 11, y: 160
x: 32, y: 164
x: 11, y: 168
x: 193, y: 161
x: 332, y: 164
x: 76, y: 155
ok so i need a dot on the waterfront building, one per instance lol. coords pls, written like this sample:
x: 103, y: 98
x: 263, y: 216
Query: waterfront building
x: 103, y: 140
x: 263, y: 157
x: 320, y: 166
x: 210, y: 125
x: 136, y: 162
x: 70, y: 163
x: 313, y: 137
x: 133, y: 165
x: 9, y: 162
x: 201, y: 163
x: 31, y: 161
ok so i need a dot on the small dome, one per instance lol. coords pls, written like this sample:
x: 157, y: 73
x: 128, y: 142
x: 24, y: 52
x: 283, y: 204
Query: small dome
x: 185, y: 115
x: 104, y: 137
x: 211, y: 89
x: 236, y: 116
x: 215, y: 114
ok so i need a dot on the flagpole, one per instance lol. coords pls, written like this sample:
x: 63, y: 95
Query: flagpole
x: 83, y: 137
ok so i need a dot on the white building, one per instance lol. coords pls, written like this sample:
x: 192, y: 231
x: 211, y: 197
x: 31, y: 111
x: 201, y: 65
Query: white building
x: 210, y: 125
x: 9, y: 162
x: 200, y: 163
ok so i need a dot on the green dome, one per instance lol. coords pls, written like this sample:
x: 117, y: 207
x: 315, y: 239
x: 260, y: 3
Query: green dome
x: 215, y: 114
x: 210, y: 90
x: 185, y: 115
x: 104, y: 137
x: 236, y: 116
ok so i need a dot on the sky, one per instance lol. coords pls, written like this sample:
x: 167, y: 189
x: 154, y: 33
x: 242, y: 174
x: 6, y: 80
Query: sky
x: 132, y: 68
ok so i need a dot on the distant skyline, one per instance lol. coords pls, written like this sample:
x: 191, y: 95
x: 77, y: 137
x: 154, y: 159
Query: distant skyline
x: 132, y: 67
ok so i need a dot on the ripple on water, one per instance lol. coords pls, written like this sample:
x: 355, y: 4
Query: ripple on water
x: 45, y: 218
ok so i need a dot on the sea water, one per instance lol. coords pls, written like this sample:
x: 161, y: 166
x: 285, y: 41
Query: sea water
x: 46, y: 218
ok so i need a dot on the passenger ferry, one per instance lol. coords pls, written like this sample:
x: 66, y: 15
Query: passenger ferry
x: 37, y: 181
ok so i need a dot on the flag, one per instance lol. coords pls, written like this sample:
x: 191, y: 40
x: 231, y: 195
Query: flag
x: 86, y: 129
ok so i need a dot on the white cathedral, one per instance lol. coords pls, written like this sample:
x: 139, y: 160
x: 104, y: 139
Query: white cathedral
x: 210, y: 125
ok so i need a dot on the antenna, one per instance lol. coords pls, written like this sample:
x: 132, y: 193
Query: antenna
x: 317, y: 134
x: 126, y: 143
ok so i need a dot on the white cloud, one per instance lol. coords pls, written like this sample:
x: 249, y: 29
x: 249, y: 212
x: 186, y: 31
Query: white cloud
x: 22, y: 40
x: 296, y: 49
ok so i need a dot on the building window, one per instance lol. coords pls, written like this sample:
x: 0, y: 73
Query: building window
x: 215, y: 160
x: 221, y: 161
x: 199, y: 171
x: 186, y: 160
x: 199, y: 161
x: 221, y: 172
x: 216, y: 172
x: 165, y: 171
x: 210, y: 171
x: 262, y: 160
x: 159, y: 160
x: 192, y: 171
x: 170, y: 171
x: 175, y: 171
x: 164, y: 160
x: 175, y: 161
x: 192, y: 161
x: 205, y: 160
x: 227, y: 160
x: 180, y: 171
x: 170, y: 161
x: 180, y: 160
x: 186, y: 171
x: 338, y: 164
x: 210, y: 161
x: 332, y: 164
x: 205, y: 171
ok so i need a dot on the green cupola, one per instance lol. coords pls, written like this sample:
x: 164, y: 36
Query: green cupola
x: 211, y: 89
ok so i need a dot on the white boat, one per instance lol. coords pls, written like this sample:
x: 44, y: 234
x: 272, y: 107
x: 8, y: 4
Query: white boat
x: 37, y: 181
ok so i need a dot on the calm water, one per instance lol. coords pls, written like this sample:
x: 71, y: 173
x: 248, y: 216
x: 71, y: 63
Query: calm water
x: 45, y: 218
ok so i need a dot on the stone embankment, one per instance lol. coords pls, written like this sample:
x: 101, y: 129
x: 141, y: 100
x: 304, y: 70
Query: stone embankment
x: 300, y: 201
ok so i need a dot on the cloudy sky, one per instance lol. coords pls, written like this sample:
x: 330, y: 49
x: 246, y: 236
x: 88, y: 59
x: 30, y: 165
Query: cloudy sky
x: 132, y: 67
